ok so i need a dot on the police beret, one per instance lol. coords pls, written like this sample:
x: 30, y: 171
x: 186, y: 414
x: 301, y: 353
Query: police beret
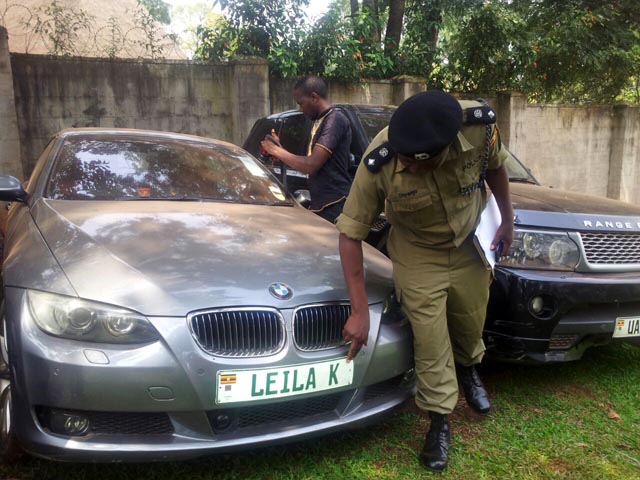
x: 424, y: 124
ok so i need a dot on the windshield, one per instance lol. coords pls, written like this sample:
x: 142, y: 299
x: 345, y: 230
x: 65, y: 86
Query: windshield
x: 140, y: 168
x: 373, y: 122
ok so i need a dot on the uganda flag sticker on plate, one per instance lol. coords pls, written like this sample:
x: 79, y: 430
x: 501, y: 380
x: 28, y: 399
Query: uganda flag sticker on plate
x: 228, y: 379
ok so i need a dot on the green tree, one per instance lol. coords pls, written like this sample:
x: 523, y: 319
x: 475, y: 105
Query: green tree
x: 158, y: 9
x: 346, y: 44
x: 60, y: 27
x: 485, y: 48
x: 271, y: 30
x: 419, y: 52
x: 583, y: 50
x: 570, y: 51
x: 194, y: 17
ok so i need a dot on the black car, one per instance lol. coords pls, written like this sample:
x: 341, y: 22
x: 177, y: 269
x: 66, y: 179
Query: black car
x: 572, y: 277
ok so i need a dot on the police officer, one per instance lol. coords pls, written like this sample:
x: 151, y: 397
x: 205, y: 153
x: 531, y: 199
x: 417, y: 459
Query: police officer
x: 427, y: 171
x: 327, y: 159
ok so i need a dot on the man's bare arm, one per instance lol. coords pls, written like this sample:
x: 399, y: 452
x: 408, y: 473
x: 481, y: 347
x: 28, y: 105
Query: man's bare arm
x: 305, y: 164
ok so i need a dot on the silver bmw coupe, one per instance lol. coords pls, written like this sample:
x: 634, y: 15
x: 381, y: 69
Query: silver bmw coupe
x: 165, y: 298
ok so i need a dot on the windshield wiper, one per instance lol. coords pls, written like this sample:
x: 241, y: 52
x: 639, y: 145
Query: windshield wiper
x: 202, y: 199
x: 172, y: 199
x: 522, y: 180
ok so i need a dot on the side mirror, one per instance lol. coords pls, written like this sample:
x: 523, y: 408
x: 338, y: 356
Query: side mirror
x: 11, y: 189
x: 303, y: 197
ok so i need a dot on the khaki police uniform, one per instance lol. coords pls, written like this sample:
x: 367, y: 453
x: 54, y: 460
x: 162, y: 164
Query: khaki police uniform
x: 440, y: 278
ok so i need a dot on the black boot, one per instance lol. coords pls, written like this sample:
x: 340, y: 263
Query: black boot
x: 434, y: 454
x: 474, y: 391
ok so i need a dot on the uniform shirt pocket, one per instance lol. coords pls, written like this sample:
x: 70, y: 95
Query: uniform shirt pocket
x: 413, y: 210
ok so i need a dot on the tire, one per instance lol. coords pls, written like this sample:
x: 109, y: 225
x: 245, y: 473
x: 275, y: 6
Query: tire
x: 10, y: 450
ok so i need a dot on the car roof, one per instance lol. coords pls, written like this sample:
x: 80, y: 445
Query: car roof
x: 361, y: 108
x: 100, y: 132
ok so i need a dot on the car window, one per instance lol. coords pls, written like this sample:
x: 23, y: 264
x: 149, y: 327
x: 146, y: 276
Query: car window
x: 517, y: 171
x: 258, y: 131
x: 374, y: 122
x: 130, y: 168
x: 295, y: 134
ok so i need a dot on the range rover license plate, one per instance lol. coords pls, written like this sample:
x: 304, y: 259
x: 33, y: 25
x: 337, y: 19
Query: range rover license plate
x: 267, y: 383
x: 627, y: 327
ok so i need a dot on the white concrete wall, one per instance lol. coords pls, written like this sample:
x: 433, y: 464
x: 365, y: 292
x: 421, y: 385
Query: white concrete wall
x: 212, y: 100
x: 10, y: 163
x: 589, y: 149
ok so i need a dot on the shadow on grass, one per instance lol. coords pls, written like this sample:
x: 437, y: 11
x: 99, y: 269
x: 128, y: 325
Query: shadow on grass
x: 387, y: 450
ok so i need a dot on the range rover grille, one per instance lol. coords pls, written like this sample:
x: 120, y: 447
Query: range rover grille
x: 238, y: 332
x: 319, y: 327
x: 607, y: 248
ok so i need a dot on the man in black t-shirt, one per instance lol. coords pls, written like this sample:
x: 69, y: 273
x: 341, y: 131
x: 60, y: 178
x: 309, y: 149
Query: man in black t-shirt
x: 327, y: 159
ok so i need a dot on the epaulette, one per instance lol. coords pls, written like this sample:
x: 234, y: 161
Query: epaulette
x: 482, y: 114
x: 378, y: 157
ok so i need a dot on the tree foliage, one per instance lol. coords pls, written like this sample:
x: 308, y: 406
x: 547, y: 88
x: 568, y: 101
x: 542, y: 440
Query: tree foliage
x: 569, y: 51
x: 61, y: 26
x: 158, y: 9
x: 272, y: 30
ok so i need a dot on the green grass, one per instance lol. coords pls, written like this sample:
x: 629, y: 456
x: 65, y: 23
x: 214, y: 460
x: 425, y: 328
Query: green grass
x: 568, y: 421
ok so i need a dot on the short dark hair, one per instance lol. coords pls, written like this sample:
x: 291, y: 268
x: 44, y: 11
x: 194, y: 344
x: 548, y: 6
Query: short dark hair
x: 311, y: 84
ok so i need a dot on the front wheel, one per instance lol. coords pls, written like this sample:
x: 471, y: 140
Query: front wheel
x: 10, y: 450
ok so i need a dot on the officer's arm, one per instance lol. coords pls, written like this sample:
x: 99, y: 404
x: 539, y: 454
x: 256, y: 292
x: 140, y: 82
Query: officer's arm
x: 305, y: 164
x: 498, y: 181
x: 356, y: 329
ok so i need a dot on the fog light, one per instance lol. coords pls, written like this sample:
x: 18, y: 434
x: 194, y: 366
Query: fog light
x: 536, y: 304
x: 69, y: 423
x: 221, y: 421
x: 543, y: 307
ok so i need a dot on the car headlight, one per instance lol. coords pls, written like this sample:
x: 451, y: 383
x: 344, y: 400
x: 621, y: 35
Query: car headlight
x: 392, y: 313
x: 542, y: 251
x: 77, y: 319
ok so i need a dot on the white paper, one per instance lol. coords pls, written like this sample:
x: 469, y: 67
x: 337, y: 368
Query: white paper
x: 490, y: 220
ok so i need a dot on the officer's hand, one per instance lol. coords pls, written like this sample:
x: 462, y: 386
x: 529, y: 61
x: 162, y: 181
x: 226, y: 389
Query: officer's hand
x: 356, y: 331
x: 503, y: 238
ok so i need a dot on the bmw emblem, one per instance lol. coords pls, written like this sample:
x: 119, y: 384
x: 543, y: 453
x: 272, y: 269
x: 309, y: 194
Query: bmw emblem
x: 280, y: 291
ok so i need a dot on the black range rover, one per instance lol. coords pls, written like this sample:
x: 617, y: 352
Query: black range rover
x: 572, y: 277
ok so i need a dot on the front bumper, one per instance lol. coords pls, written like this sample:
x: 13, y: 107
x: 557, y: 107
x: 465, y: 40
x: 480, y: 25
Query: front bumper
x: 580, y: 310
x: 158, y: 401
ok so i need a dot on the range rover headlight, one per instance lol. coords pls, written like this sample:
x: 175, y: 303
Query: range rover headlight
x: 392, y: 313
x: 541, y: 250
x: 77, y: 319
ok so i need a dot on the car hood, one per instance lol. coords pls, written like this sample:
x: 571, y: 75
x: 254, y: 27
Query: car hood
x: 170, y: 258
x: 549, y: 207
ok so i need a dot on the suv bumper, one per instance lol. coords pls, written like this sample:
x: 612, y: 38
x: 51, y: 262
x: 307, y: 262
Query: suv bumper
x: 578, y: 310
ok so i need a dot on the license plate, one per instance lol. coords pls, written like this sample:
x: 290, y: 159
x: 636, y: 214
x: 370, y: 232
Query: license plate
x: 291, y: 173
x: 267, y: 383
x: 627, y: 327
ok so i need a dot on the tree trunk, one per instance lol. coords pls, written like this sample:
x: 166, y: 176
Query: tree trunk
x: 372, y: 7
x: 394, y: 27
x: 354, y: 8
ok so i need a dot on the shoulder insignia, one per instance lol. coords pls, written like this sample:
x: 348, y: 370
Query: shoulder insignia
x: 481, y: 114
x: 378, y: 157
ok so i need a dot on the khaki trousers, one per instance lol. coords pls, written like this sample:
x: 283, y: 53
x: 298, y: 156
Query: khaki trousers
x: 444, y: 293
